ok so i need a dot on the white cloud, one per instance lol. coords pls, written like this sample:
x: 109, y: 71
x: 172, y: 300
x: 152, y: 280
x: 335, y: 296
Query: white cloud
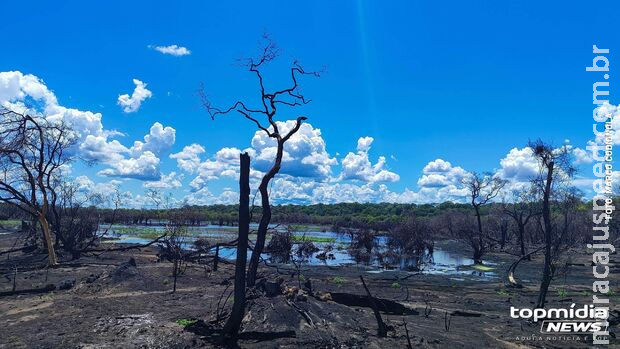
x: 16, y: 88
x: 143, y: 162
x: 188, y: 159
x: 173, y: 50
x: 358, y: 166
x: 305, y: 153
x: 582, y: 156
x: 98, y: 148
x: 519, y: 165
x: 139, y: 95
x: 145, y: 167
x: 169, y: 181
x: 159, y: 140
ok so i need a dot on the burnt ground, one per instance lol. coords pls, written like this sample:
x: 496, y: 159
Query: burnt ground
x: 133, y: 307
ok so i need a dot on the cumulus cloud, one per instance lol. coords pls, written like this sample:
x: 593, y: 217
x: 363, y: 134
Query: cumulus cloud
x: 358, y: 166
x: 582, y: 156
x: 132, y: 103
x: 169, y: 181
x: 305, y: 153
x: 145, y: 167
x: 98, y: 148
x: 519, y: 165
x: 173, y: 50
x: 143, y: 157
x: 17, y: 88
x: 188, y: 159
x: 159, y: 140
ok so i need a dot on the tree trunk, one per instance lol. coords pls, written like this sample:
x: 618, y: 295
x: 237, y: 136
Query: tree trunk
x: 216, y: 258
x: 382, y: 328
x: 233, y: 324
x: 263, y: 225
x: 522, y: 240
x: 47, y: 236
x: 546, y: 214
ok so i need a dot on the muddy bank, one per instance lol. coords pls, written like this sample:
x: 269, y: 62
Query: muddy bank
x: 108, y: 304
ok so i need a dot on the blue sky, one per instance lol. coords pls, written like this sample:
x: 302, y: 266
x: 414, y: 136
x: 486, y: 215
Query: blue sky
x: 461, y: 82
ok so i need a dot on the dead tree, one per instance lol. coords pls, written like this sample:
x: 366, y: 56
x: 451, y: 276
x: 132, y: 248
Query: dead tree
x: 555, y: 170
x: 482, y: 189
x: 232, y: 326
x: 382, y: 327
x: 33, y: 151
x: 266, y: 112
x: 521, y: 211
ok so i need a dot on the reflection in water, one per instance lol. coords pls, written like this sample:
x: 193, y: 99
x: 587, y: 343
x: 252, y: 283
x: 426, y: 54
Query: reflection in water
x: 334, y: 250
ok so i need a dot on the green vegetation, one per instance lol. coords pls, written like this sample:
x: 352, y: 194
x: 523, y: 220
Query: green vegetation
x: 186, y: 322
x: 562, y: 293
x: 339, y: 280
x: 307, y: 228
x: 319, y: 239
x: 395, y: 285
x: 502, y: 292
x: 10, y: 223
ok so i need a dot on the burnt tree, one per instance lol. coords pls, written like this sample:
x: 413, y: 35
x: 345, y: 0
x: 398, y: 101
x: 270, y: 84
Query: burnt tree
x: 33, y: 151
x: 482, y: 189
x: 522, y: 210
x: 263, y: 116
x: 233, y: 324
x: 555, y: 169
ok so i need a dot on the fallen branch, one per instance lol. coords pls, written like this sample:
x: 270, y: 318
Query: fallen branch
x: 512, y: 280
x: 124, y: 248
x: 25, y: 249
x: 302, y: 312
x: 382, y: 330
x: 409, y: 346
x: 45, y: 289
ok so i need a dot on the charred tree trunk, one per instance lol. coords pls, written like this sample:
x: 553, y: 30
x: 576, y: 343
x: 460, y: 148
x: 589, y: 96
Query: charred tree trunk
x: 233, y: 324
x: 217, y: 257
x: 522, y: 240
x: 265, y: 219
x: 382, y: 328
x: 546, y: 214
x: 47, y: 236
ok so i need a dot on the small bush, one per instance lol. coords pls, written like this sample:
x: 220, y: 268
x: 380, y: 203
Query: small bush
x: 339, y: 280
x: 186, y: 322
x: 502, y: 292
x: 395, y: 285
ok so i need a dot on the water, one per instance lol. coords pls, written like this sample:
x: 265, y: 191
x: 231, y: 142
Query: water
x: 447, y: 259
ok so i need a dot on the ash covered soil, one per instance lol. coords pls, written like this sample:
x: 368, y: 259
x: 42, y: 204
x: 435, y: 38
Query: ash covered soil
x: 106, y: 302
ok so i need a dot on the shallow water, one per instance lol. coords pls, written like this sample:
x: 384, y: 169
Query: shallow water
x: 446, y: 259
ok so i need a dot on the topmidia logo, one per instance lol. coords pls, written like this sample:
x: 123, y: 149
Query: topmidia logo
x: 586, y: 319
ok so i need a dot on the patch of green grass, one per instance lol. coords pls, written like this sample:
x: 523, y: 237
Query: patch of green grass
x: 502, y: 292
x: 186, y: 322
x: 395, y: 285
x: 302, y: 227
x: 339, y: 280
x: 150, y: 234
x: 562, y: 293
x: 11, y: 223
x: 319, y: 239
